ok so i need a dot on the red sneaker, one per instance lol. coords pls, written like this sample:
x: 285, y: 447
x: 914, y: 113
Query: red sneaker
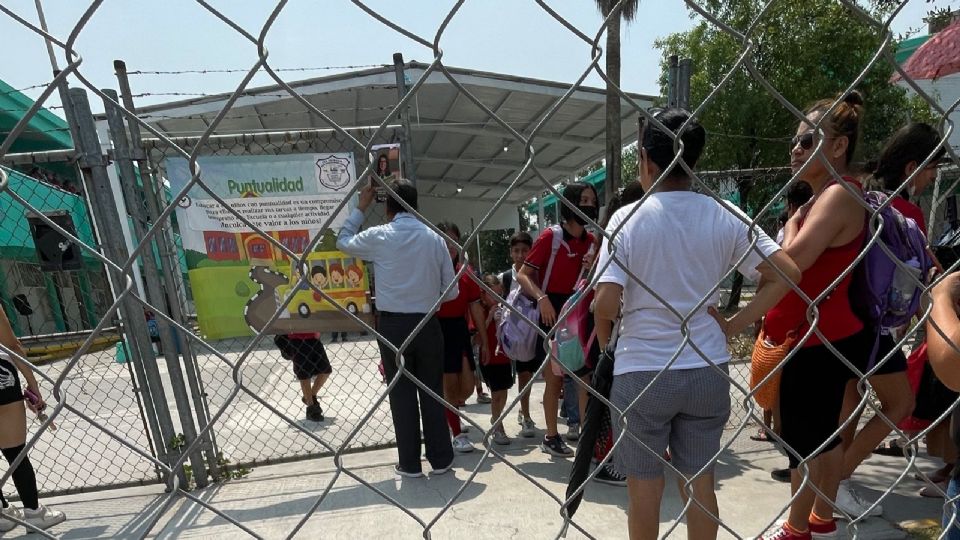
x: 784, y: 533
x: 823, y: 530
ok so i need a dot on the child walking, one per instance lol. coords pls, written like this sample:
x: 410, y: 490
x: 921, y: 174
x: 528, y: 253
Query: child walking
x: 495, y: 367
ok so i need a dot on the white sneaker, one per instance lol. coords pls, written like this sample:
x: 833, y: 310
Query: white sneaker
x: 462, y: 444
x: 527, y: 428
x: 5, y: 524
x: 573, y: 432
x: 500, y: 436
x: 43, y: 518
x: 851, y: 503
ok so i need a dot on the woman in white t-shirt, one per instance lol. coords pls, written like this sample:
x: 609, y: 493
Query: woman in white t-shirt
x: 675, y: 391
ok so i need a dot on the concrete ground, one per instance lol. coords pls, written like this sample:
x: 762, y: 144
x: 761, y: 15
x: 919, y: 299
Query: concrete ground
x: 498, y: 503
x: 271, y: 500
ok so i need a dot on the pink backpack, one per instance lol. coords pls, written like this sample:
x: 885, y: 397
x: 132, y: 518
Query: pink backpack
x: 572, y: 342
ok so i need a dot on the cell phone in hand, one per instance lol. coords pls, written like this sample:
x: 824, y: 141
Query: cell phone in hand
x: 381, y: 195
x: 34, y: 400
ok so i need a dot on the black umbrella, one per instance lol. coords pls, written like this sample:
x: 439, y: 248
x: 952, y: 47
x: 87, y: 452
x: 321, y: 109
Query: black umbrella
x: 601, y: 382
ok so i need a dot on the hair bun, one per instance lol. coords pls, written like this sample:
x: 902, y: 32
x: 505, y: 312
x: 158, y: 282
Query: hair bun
x: 854, y: 98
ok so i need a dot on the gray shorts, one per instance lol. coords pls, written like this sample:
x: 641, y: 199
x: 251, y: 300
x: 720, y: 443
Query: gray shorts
x: 684, y: 409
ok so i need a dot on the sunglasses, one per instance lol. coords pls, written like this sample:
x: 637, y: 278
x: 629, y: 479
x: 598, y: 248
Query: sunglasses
x: 805, y: 141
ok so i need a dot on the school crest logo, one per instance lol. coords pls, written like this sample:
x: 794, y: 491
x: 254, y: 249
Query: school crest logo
x: 333, y: 172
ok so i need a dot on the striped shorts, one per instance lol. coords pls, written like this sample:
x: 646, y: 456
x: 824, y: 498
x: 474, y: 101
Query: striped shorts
x: 685, y: 410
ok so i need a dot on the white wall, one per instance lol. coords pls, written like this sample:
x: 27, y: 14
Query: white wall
x: 457, y: 211
x: 946, y: 90
x: 461, y: 211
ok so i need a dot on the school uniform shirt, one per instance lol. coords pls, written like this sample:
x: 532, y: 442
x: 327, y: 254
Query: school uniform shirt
x: 568, y: 263
x: 469, y: 293
x: 679, y: 244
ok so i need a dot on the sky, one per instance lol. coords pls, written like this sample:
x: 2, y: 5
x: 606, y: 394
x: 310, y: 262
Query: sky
x: 515, y: 37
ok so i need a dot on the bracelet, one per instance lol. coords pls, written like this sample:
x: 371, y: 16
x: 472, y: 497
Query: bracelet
x: 541, y: 297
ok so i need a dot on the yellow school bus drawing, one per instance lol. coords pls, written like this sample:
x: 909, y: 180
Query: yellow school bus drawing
x: 342, y: 277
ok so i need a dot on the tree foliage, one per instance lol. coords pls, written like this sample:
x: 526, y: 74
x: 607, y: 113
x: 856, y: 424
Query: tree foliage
x: 807, y: 51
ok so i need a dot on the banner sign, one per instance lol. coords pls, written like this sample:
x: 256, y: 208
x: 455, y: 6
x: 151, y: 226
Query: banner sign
x: 238, y: 277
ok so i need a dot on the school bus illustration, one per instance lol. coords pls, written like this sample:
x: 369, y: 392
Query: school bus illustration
x: 341, y: 277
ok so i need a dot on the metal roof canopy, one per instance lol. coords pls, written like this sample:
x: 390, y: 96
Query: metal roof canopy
x: 455, y: 143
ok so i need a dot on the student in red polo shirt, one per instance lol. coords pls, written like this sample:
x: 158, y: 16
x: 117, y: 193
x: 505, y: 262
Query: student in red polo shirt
x: 495, y: 367
x: 575, y: 255
x: 458, y: 361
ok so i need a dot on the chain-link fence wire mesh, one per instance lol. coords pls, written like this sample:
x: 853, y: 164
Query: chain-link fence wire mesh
x: 56, y: 310
x: 230, y: 363
x: 250, y: 433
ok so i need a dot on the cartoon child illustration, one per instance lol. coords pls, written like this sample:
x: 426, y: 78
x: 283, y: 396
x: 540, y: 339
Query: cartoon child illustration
x: 354, y: 275
x: 336, y: 275
x: 318, y: 276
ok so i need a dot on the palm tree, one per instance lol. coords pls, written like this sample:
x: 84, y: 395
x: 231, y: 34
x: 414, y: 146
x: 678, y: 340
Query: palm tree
x: 614, y: 142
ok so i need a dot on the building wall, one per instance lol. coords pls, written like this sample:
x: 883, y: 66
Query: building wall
x: 461, y: 212
x: 946, y: 90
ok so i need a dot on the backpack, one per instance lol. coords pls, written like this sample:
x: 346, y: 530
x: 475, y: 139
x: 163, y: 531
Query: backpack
x: 517, y: 338
x: 506, y: 279
x: 887, y: 284
x: 574, y: 337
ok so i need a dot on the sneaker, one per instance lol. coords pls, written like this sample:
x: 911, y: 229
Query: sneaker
x: 824, y: 530
x: 314, y: 413
x: 462, y: 444
x: 43, y: 518
x: 482, y: 397
x: 608, y: 475
x: 780, y: 475
x: 500, y: 436
x: 850, y: 502
x: 442, y: 470
x: 555, y: 446
x: 573, y: 432
x: 7, y: 525
x: 783, y: 533
x: 527, y: 427
x: 407, y: 474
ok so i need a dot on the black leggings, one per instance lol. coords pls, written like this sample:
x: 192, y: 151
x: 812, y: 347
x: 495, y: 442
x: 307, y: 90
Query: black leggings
x: 24, y: 479
x: 811, y: 394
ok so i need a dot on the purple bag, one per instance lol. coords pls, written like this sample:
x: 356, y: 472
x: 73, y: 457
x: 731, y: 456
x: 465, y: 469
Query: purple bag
x: 886, y: 287
x: 515, y: 336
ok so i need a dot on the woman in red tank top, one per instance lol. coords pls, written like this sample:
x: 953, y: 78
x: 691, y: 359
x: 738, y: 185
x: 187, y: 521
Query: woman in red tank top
x: 824, y: 238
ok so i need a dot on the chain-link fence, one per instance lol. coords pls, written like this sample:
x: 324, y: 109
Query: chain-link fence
x: 56, y: 311
x: 160, y: 378
x: 249, y: 432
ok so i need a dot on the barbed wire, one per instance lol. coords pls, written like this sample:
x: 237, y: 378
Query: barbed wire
x: 245, y: 70
x: 25, y: 89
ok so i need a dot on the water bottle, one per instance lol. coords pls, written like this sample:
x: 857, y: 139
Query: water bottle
x: 904, y: 286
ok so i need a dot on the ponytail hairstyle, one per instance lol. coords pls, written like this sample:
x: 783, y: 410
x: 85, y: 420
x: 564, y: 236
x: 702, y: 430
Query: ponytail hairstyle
x: 844, y: 121
x: 912, y: 143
